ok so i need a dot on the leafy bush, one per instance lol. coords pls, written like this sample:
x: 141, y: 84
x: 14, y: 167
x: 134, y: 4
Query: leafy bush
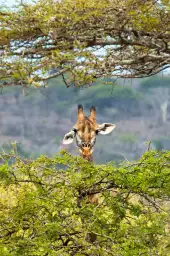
x: 19, y: 149
x: 48, y: 206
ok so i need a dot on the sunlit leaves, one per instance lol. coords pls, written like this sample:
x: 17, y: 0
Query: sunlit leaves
x: 85, y: 40
x: 48, y: 206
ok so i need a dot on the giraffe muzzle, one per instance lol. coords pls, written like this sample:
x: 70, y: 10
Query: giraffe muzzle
x: 86, y: 151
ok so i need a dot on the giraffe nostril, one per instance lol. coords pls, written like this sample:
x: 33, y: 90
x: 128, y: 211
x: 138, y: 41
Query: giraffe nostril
x: 86, y: 144
x: 83, y: 144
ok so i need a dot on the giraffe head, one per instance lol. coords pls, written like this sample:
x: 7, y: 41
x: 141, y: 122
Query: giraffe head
x: 85, y: 131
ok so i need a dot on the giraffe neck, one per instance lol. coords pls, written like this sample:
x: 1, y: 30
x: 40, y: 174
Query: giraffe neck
x: 88, y: 158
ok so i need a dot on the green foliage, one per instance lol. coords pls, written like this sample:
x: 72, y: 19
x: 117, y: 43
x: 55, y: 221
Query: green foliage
x: 19, y: 149
x: 84, y: 40
x: 46, y: 207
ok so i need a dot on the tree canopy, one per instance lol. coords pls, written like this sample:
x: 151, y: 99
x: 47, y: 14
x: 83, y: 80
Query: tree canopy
x: 47, y: 209
x: 83, y: 40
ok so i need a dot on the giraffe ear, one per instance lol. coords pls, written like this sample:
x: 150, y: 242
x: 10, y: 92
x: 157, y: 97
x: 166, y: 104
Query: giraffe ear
x: 105, y: 128
x: 69, y: 137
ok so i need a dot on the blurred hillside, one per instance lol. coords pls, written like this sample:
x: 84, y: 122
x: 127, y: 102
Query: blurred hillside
x: 38, y: 120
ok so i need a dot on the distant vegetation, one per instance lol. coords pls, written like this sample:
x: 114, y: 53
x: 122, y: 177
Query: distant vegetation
x: 38, y: 119
x: 155, y: 82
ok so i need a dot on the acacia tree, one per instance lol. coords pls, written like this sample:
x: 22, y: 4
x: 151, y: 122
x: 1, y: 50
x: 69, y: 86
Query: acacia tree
x: 83, y: 40
x: 45, y: 208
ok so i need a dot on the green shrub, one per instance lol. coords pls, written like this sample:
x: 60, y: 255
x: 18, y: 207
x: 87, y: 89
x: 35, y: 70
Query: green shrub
x: 46, y: 206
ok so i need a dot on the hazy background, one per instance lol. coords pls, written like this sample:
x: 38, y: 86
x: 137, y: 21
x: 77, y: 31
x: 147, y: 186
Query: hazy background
x: 38, y: 119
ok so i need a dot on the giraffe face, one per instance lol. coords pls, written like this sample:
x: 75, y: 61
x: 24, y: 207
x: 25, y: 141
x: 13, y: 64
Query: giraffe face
x: 85, y: 135
x: 85, y: 131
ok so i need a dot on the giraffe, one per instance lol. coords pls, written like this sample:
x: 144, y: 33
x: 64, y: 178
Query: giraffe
x: 85, y: 131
